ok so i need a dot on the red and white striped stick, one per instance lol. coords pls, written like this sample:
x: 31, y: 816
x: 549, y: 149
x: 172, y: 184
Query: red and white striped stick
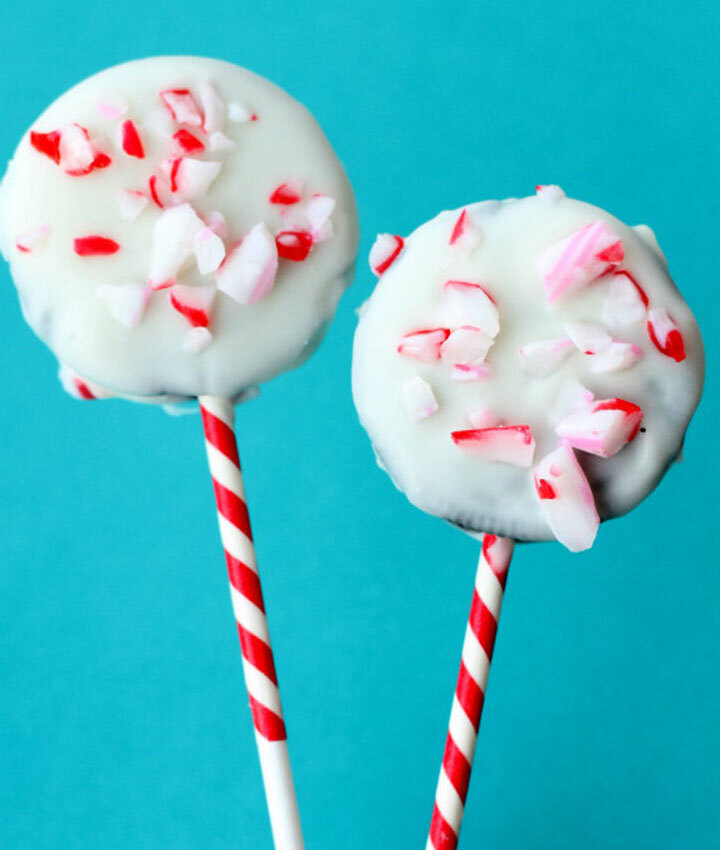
x: 218, y: 416
x: 467, y: 705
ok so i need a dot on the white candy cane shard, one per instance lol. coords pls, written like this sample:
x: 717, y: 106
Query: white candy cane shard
x: 665, y: 335
x: 484, y: 418
x: 240, y: 114
x: 193, y: 177
x: 318, y: 212
x: 623, y: 304
x: 580, y: 259
x: 470, y: 371
x: 471, y: 304
x: 617, y: 357
x: 572, y: 397
x: 550, y: 193
x: 566, y: 499
x: 209, y: 250
x: 132, y: 202
x: 31, y: 239
x: 385, y: 250
x: 588, y: 337
x: 173, y: 242
x: 196, y: 340
x: 424, y: 344
x: 465, y: 234
x: 605, y: 428
x: 217, y: 223
x: 78, y: 387
x: 193, y: 302
x: 419, y: 398
x: 213, y: 108
x: 220, y: 142
x: 126, y: 302
x: 512, y: 444
x: 466, y: 345
x: 76, y: 152
x: 182, y: 107
x: 543, y: 357
x: 249, y: 270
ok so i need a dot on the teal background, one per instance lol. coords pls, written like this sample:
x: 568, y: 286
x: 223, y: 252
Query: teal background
x: 123, y: 718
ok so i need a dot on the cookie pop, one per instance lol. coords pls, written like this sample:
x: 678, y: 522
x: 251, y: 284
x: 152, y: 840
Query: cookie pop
x: 179, y: 228
x: 524, y: 370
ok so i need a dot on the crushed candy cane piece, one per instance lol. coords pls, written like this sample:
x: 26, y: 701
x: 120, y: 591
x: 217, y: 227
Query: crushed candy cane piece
x: 550, y: 193
x: 484, y: 418
x: 588, y: 337
x: 248, y: 272
x: 566, y: 499
x: 384, y: 252
x: 196, y: 340
x: 294, y: 245
x: 616, y: 357
x: 579, y: 259
x: 572, y: 397
x: 112, y: 106
x: 191, y: 178
x: 470, y: 371
x: 624, y: 304
x: 181, y: 105
x: 217, y: 223
x: 209, y: 250
x: 158, y: 191
x: 467, y: 303
x: 665, y: 335
x: 220, y: 142
x: 78, y: 387
x: 318, y: 211
x: 95, y: 246
x: 465, y: 233
x: 76, y: 152
x: 466, y: 344
x: 288, y: 193
x: 240, y: 114
x: 47, y: 144
x: 424, y: 344
x: 513, y: 444
x: 186, y: 143
x: 193, y: 302
x: 173, y: 242
x: 542, y: 357
x: 605, y: 428
x: 419, y: 398
x: 132, y: 203
x: 131, y: 141
x: 126, y: 302
x: 27, y: 242
x: 213, y: 107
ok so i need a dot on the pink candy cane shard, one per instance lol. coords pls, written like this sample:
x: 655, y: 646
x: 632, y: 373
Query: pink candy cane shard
x: 477, y: 371
x: 181, y: 105
x: 214, y: 109
x: 173, y: 242
x: 423, y: 344
x: 579, y: 259
x: 27, y: 242
x: 76, y: 152
x: 484, y: 418
x: 466, y: 345
x: 604, y: 429
x: 566, y: 499
x: 126, y: 302
x: 503, y: 444
x: 419, y: 398
x: 193, y: 302
x: 665, y: 335
x: 318, y: 212
x: 588, y: 337
x: 248, y: 272
x: 616, y: 357
x: 471, y: 304
x: 544, y: 356
x: 384, y: 252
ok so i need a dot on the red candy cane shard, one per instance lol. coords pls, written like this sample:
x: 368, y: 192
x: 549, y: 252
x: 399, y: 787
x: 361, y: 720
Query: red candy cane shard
x: 193, y: 302
x: 95, y: 246
x: 423, y: 344
x: 131, y: 141
x: 294, y: 245
x: 459, y: 227
x: 665, y: 335
x: 287, y: 194
x: 153, y: 185
x: 384, y: 252
x: 467, y: 707
x: 186, y: 143
x: 502, y: 444
x: 604, y: 429
x: 47, y: 144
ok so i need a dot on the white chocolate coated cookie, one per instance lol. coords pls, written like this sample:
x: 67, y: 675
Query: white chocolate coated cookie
x: 177, y: 226
x: 526, y: 367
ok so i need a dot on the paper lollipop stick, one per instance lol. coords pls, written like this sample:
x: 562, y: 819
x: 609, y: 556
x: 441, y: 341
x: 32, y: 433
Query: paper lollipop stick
x: 218, y: 418
x: 470, y: 690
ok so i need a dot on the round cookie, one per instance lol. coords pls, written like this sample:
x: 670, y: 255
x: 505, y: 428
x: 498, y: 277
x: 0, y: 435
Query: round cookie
x: 526, y: 367
x: 177, y: 227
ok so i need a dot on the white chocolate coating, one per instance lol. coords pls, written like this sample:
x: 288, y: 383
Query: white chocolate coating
x: 414, y: 444
x: 64, y: 296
